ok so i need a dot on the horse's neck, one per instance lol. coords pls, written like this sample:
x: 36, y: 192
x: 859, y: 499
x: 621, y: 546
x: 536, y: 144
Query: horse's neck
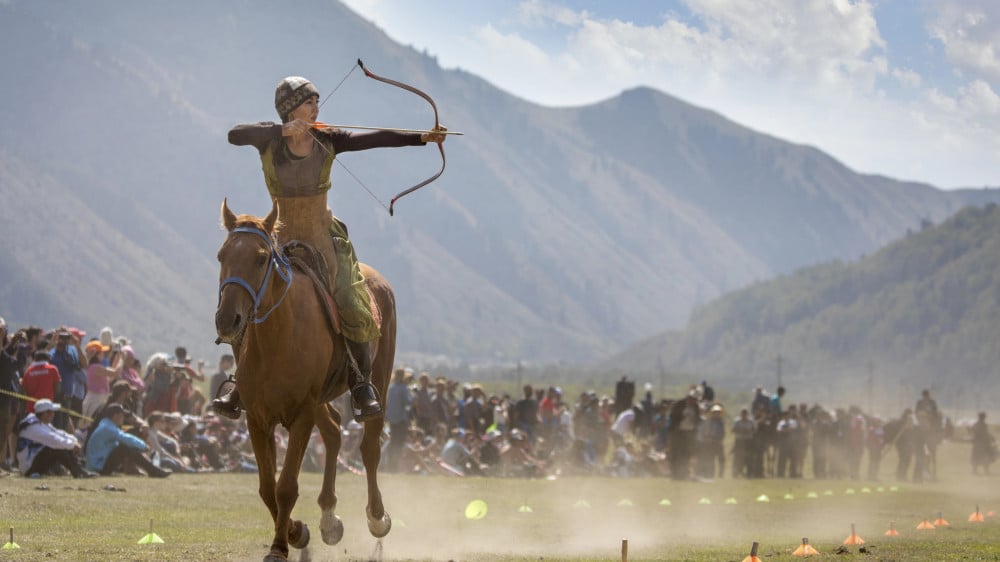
x: 302, y: 218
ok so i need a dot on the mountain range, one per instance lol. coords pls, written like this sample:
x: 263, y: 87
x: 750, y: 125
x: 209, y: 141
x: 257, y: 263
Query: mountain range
x: 554, y: 234
x: 922, y: 312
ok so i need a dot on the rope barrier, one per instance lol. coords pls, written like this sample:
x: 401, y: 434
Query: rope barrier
x: 27, y: 398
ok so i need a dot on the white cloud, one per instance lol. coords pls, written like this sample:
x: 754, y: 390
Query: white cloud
x: 970, y: 34
x: 539, y: 13
x: 804, y: 70
x: 906, y: 77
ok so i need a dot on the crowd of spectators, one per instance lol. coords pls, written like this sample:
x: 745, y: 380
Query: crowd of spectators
x: 445, y: 427
x: 88, y: 407
x: 82, y: 406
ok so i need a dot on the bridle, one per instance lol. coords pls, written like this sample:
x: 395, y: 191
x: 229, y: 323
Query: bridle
x: 277, y: 262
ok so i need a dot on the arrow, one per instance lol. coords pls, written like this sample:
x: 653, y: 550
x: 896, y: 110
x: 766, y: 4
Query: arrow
x: 319, y: 125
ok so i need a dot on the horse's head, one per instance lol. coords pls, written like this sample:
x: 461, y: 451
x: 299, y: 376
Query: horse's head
x: 246, y: 260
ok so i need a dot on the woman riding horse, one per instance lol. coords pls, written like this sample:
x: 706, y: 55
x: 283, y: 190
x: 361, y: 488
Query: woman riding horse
x: 296, y: 156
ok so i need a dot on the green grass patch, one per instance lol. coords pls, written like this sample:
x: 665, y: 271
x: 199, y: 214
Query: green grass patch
x: 220, y: 517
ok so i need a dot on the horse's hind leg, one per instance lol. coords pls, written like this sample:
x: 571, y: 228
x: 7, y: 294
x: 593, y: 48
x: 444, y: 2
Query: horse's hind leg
x: 328, y: 422
x: 379, y: 522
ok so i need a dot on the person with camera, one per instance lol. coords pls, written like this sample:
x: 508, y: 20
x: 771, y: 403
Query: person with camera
x: 99, y: 377
x: 69, y: 358
x: 10, y: 384
x: 187, y: 394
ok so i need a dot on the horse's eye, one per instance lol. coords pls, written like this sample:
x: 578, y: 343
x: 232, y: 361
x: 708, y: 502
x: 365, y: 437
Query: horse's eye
x: 261, y: 260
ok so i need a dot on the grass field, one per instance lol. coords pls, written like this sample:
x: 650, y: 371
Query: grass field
x: 220, y: 517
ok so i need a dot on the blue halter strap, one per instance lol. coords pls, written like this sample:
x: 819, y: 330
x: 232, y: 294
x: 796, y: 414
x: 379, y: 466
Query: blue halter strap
x: 277, y: 263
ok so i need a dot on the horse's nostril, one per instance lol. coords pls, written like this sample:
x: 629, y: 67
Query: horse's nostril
x: 237, y: 320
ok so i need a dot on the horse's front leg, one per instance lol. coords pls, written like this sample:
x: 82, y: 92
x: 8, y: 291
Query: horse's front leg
x: 379, y: 522
x: 287, y: 492
x: 262, y: 439
x: 328, y: 422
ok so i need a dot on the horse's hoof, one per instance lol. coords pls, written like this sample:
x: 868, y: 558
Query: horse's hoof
x: 303, y: 538
x: 331, y: 527
x: 275, y: 558
x: 378, y: 527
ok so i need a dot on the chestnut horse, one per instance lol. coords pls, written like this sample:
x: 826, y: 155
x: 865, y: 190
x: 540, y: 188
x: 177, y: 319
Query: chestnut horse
x: 290, y: 364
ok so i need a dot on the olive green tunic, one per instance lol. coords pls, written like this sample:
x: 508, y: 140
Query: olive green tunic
x: 287, y: 175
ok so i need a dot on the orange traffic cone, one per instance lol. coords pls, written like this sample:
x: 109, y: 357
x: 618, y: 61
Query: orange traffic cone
x: 925, y: 525
x: 854, y: 538
x: 990, y: 514
x: 805, y: 549
x: 940, y: 522
x: 753, y: 554
x: 976, y: 517
x: 892, y: 532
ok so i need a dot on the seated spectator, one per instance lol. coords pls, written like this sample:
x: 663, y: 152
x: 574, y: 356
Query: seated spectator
x: 156, y: 438
x: 111, y: 449
x: 518, y: 460
x: 457, y: 455
x: 41, y: 447
x: 203, y: 451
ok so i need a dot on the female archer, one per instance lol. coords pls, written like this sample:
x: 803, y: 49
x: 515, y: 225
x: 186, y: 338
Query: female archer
x: 297, y: 155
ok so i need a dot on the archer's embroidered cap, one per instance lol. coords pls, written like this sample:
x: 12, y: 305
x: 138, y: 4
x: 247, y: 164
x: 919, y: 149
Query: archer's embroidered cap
x: 290, y: 93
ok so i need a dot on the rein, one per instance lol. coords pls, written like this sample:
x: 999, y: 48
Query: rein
x: 277, y: 263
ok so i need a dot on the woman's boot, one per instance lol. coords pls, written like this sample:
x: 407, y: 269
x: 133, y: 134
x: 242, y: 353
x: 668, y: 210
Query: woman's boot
x: 364, y: 397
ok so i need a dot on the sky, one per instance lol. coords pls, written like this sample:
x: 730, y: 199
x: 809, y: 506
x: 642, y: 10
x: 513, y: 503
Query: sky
x: 904, y: 88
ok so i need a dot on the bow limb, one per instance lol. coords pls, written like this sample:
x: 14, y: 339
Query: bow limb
x: 408, y: 88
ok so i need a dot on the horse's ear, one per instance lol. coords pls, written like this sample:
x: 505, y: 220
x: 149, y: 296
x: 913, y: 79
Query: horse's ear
x: 228, y: 218
x: 271, y: 217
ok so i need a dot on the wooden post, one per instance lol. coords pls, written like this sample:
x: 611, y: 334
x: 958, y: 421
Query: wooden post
x: 624, y: 550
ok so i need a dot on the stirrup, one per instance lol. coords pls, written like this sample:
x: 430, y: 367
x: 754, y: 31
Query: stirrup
x: 227, y: 407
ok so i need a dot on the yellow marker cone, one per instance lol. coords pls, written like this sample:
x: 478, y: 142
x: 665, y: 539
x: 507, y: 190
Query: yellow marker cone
x: 849, y: 491
x: 976, y: 517
x: 789, y: 496
x: 665, y: 502
x: 827, y: 492
x: 925, y: 525
x: 475, y: 510
x: 805, y: 549
x: 880, y: 489
x: 731, y: 501
x: 853, y: 538
x: 763, y: 498
x: 581, y: 504
x: 151, y: 537
x: 940, y: 522
x: 866, y: 490
x: 525, y: 508
x: 11, y: 545
x: 625, y: 503
x: 893, y: 488
x: 704, y: 501
x: 892, y: 532
x: 753, y: 554
x: 812, y: 495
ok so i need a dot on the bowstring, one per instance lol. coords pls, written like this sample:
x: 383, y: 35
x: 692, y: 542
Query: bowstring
x: 342, y: 165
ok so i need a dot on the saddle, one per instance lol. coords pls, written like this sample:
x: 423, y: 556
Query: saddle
x: 314, y: 265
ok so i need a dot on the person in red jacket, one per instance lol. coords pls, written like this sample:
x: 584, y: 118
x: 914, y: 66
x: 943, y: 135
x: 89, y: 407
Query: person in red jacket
x: 41, y: 379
